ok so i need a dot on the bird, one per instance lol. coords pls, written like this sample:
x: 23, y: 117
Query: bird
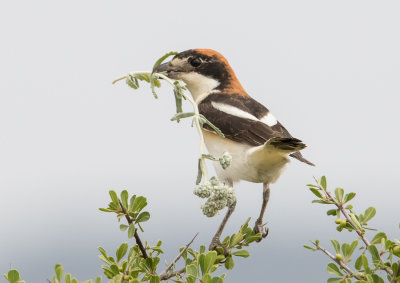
x: 260, y: 146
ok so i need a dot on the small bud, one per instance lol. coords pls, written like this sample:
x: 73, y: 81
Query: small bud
x: 396, y: 251
x: 338, y: 221
x: 342, y: 222
x: 225, y: 160
x: 209, y: 208
x: 220, y: 257
x: 339, y: 257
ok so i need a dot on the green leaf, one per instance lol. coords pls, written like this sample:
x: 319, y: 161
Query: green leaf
x: 355, y: 221
x: 139, y: 203
x: 206, y: 278
x: 102, y: 251
x: 98, y: 280
x: 204, y: 120
x: 377, y: 279
x: 143, y: 217
x: 155, y: 279
x: 395, y: 268
x: 348, y: 249
x: 322, y: 182
x: 199, y: 172
x: 316, y: 192
x: 217, y: 280
x: 13, y: 276
x: 121, y: 251
x: 202, y: 259
x: 131, y: 231
x: 59, y: 271
x: 339, y: 194
x: 123, y: 227
x: 235, y: 239
x: 335, y: 280
x: 162, y: 59
x: 114, y: 268
x: 364, y: 260
x: 310, y: 248
x: 131, y: 201
x: 332, y: 212
x: 210, y: 258
x: 114, y: 197
x: 374, y: 253
x: 333, y: 269
x: 378, y: 237
x: 336, y: 245
x: 124, y: 198
x: 105, y: 210
x: 348, y: 197
x: 192, y: 270
x: 229, y: 263
x: 322, y: 201
x: 242, y: 253
x: 369, y: 213
x: 358, y: 263
x: 182, y: 115
x: 178, y: 100
x: 67, y: 278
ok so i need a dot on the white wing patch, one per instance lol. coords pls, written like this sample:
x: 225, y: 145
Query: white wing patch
x: 268, y: 119
x: 232, y: 110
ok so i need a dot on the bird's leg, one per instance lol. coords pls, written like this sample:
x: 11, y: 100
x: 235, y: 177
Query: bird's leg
x: 259, y: 226
x: 216, y: 239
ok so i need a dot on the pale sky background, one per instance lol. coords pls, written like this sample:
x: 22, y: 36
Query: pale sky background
x: 328, y: 70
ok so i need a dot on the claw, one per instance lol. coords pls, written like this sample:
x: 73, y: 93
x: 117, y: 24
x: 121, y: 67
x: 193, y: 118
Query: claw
x: 259, y: 228
x: 216, y: 243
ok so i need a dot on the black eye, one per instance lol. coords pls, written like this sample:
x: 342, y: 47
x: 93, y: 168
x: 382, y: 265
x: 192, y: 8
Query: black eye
x: 195, y: 62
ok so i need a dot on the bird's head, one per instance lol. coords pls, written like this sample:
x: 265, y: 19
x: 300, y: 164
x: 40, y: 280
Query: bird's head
x: 204, y: 71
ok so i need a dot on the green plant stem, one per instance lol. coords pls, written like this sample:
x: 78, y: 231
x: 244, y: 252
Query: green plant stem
x: 196, y: 118
x: 339, y: 262
x: 136, y: 235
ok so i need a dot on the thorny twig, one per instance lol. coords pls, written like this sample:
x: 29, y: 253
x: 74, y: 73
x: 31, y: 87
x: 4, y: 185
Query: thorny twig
x: 349, y: 220
x: 136, y: 235
x: 164, y: 275
x: 340, y: 262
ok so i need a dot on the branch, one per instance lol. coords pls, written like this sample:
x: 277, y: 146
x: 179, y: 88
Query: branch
x: 348, y: 219
x: 164, y: 275
x: 340, y: 262
x: 395, y: 276
x: 136, y: 235
x: 359, y: 232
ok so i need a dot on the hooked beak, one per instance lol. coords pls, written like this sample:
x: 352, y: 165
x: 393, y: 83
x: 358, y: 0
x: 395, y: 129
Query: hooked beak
x: 171, y: 71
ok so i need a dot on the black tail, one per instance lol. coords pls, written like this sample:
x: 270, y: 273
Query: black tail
x: 291, y: 145
x: 286, y: 144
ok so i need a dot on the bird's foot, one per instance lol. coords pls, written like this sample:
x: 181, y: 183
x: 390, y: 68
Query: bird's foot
x: 216, y: 245
x: 260, y: 228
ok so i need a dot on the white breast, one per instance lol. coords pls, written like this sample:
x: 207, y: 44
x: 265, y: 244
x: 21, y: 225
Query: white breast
x: 256, y: 164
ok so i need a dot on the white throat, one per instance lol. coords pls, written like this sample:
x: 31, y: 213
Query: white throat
x: 200, y: 86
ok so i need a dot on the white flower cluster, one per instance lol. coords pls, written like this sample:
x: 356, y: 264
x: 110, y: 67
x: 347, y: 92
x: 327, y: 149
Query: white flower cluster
x: 225, y: 160
x: 218, y: 196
